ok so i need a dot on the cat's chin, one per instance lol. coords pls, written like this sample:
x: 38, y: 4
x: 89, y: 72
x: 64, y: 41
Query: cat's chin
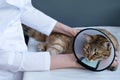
x: 92, y: 60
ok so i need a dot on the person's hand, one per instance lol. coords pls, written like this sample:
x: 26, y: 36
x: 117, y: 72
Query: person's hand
x: 64, y: 61
x: 75, y: 31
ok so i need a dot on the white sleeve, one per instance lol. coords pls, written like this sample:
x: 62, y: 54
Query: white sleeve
x: 16, y: 61
x: 37, y: 19
x: 38, y: 61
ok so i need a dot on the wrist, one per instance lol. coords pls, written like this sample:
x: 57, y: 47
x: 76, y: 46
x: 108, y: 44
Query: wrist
x: 64, y: 29
x: 75, y: 64
x: 75, y: 31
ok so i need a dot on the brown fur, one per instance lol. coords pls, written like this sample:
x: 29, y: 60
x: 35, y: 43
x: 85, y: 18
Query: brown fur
x: 97, y: 47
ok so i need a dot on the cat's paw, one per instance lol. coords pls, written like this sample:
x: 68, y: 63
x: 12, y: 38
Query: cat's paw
x: 53, y: 51
x: 115, y: 64
x: 41, y: 47
x: 112, y: 68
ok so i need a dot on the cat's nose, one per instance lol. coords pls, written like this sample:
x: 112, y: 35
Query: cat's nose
x: 90, y: 58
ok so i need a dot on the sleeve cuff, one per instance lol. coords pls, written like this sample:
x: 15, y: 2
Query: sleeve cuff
x: 38, y: 20
x: 49, y: 30
x: 33, y: 61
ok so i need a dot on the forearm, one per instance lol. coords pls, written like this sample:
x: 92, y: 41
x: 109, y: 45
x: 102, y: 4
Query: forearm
x: 37, y: 20
x: 64, y: 61
x: 64, y: 29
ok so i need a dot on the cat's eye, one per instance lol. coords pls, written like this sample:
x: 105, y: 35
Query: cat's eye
x: 87, y: 48
x: 95, y: 49
x: 96, y: 53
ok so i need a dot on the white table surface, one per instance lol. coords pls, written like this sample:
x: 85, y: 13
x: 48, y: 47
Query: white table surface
x: 74, y: 74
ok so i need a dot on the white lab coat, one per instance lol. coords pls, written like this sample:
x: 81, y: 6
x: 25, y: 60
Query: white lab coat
x: 14, y: 56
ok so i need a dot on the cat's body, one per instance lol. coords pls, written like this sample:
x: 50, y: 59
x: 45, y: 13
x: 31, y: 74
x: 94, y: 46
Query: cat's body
x: 58, y: 43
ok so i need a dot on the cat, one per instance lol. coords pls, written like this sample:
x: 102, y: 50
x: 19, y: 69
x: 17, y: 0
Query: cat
x: 58, y: 43
x: 96, y: 47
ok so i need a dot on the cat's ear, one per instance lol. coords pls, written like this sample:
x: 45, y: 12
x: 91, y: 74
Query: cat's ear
x: 88, y: 37
x: 107, y: 45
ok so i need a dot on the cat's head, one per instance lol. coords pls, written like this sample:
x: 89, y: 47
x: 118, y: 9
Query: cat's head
x: 96, y: 47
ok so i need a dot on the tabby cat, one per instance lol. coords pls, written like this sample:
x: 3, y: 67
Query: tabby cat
x: 58, y: 43
x: 96, y: 47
